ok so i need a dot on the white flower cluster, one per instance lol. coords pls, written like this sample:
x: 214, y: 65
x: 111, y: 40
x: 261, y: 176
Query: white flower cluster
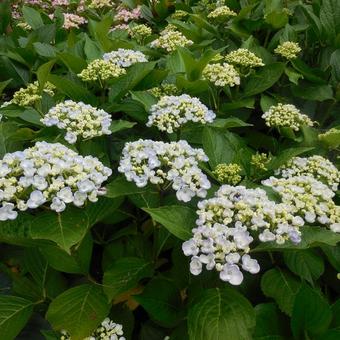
x: 286, y: 115
x: 78, y: 119
x: 309, y: 198
x: 227, y: 225
x: 315, y: 166
x: 288, y: 50
x: 170, y: 38
x: 243, y: 58
x: 146, y: 161
x: 73, y: 21
x: 48, y: 173
x: 124, y: 57
x: 108, y: 330
x: 221, y: 74
x: 171, y: 112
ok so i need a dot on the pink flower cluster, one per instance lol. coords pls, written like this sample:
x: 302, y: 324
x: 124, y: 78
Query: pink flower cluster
x: 126, y: 15
x: 73, y: 21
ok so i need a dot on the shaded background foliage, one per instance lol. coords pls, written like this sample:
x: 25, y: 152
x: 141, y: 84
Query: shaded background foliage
x: 122, y: 255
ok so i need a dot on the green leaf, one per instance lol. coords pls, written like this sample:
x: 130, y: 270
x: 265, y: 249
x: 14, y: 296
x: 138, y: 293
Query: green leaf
x: 221, y: 313
x: 333, y: 255
x: 311, y: 312
x: 179, y: 220
x: 78, y: 310
x: 217, y: 147
x: 66, y: 229
x: 43, y: 72
x: 45, y: 50
x: 329, y: 18
x: 305, y: 263
x: 228, y: 123
x: 32, y: 17
x: 121, y: 187
x: 3, y: 85
x: 73, y: 63
x: 313, y: 92
x: 124, y: 274
x: 145, y: 98
x: 269, y: 322
x: 119, y: 125
x: 263, y: 79
x: 332, y: 138
x: 282, y: 287
x: 72, y: 89
x: 14, y: 314
x: 130, y: 80
x: 162, y: 300
x: 335, y: 64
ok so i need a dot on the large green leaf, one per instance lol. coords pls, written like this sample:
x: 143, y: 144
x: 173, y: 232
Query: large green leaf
x: 179, y: 220
x: 263, y: 79
x: 130, y: 80
x: 78, y: 310
x: 66, y: 229
x: 121, y: 187
x: 124, y: 275
x: 305, y: 263
x: 221, y: 313
x: 282, y: 287
x: 14, y: 314
x: 329, y: 18
x: 162, y: 300
x: 311, y: 312
x: 32, y: 17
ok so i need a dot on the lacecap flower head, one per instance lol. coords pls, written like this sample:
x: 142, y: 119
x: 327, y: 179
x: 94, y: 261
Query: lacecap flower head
x: 315, y: 166
x: 171, y: 112
x: 221, y: 75
x: 108, y: 330
x: 79, y: 120
x: 227, y: 225
x: 309, y: 198
x: 124, y: 57
x: 51, y: 174
x: 286, y: 115
x: 145, y: 161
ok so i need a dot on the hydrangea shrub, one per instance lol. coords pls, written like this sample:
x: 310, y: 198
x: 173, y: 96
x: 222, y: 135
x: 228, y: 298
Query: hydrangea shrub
x: 169, y: 169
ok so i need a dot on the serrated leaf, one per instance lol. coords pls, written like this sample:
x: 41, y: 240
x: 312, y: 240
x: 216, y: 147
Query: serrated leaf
x: 78, y: 310
x: 66, y: 229
x: 14, y: 314
x: 179, y: 220
x: 263, y: 79
x: 124, y: 275
x: 162, y: 300
x: 282, y: 287
x: 219, y: 313
x: 305, y: 263
x: 311, y: 312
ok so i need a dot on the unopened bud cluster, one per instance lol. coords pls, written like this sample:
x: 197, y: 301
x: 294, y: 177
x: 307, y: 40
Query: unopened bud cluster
x: 48, y: 174
x: 221, y: 75
x: 27, y: 96
x: 159, y: 163
x: 228, y: 173
x: 260, y: 161
x: 171, y: 112
x: 243, y: 58
x: 228, y: 223
x: 78, y: 119
x: 221, y: 13
x: 288, y: 50
x: 286, y: 115
x: 139, y: 32
x: 100, y: 69
x: 170, y: 39
x: 164, y: 90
